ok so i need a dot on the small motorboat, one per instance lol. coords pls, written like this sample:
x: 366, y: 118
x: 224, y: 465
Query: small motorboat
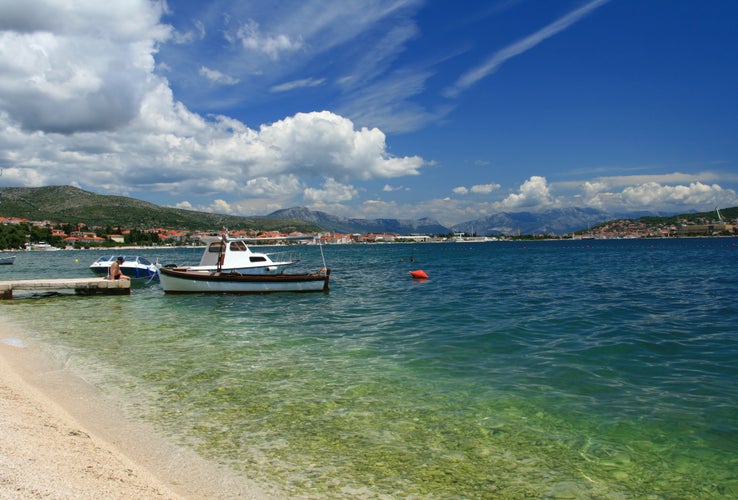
x: 228, y: 265
x: 7, y: 260
x: 137, y: 268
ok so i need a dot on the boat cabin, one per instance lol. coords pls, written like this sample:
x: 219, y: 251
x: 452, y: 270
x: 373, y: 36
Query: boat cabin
x: 234, y: 254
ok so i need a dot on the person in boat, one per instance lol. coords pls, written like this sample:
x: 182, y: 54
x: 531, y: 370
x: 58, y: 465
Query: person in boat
x: 114, y: 273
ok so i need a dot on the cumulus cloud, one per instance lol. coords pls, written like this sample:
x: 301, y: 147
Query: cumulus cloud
x: 534, y: 193
x: 80, y: 102
x: 326, y: 144
x: 331, y: 191
x: 476, y: 189
x: 659, y: 197
x: 283, y: 186
x: 70, y: 70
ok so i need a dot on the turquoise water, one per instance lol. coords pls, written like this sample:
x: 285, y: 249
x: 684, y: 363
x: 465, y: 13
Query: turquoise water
x: 561, y: 369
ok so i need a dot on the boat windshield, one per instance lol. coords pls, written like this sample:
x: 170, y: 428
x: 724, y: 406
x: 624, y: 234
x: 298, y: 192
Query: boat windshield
x: 216, y: 247
x: 238, y: 246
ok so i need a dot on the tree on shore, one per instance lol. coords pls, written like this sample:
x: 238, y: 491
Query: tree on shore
x: 13, y: 236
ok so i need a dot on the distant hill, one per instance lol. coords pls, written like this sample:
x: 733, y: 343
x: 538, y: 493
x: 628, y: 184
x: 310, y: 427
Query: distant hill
x: 345, y: 225
x: 570, y: 220
x: 727, y: 214
x: 67, y: 204
x: 557, y: 221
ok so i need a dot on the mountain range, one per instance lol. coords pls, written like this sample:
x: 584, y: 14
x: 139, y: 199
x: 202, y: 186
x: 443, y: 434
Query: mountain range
x: 346, y: 225
x: 70, y: 205
x: 555, y: 221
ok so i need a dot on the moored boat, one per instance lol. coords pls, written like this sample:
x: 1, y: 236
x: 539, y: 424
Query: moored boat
x: 184, y: 280
x: 41, y: 246
x: 228, y: 265
x: 137, y: 268
x: 7, y: 260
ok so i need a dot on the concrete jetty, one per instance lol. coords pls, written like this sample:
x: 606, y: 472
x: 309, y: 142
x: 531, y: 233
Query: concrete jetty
x: 82, y: 286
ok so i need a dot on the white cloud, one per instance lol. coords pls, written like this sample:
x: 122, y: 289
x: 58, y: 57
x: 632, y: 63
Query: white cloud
x: 498, y: 58
x: 220, y: 207
x: 484, y: 188
x: 216, y: 76
x: 297, y: 84
x: 534, y: 194
x: 389, y: 103
x: 190, y: 36
x: 325, y: 144
x: 283, y: 186
x: 657, y: 197
x: 251, y: 38
x: 69, y: 70
x: 331, y: 192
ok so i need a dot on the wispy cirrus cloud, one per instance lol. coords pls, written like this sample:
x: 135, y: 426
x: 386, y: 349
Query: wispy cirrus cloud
x: 298, y: 84
x: 273, y: 45
x: 501, y: 56
x: 218, y: 77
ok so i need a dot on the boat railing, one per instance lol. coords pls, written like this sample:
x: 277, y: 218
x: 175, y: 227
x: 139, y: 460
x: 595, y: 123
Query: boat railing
x: 284, y: 256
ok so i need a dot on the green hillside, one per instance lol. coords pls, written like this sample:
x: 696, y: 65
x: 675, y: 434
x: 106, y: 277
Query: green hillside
x: 728, y: 214
x: 70, y: 205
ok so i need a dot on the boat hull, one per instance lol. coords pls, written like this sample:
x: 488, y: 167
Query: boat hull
x: 182, y: 280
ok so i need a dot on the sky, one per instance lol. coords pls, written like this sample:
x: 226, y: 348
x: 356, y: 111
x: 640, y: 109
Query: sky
x: 452, y: 110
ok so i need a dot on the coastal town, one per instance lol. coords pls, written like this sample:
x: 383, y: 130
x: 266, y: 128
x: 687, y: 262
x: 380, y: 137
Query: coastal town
x: 20, y: 233
x: 626, y: 228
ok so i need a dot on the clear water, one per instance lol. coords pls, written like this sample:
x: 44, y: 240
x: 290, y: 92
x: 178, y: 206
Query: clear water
x: 587, y: 369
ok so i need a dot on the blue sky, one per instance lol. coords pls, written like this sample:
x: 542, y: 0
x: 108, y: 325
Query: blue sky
x: 375, y: 108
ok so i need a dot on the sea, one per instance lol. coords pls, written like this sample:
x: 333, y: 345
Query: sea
x: 517, y: 369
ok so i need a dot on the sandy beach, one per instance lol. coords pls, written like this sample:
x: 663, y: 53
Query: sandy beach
x: 60, y: 438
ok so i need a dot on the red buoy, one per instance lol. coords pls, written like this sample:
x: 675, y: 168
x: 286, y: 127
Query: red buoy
x: 419, y: 274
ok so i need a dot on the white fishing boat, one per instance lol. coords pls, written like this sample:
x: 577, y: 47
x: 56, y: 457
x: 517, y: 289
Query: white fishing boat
x: 228, y: 265
x: 137, y: 268
x: 183, y: 280
x: 6, y: 260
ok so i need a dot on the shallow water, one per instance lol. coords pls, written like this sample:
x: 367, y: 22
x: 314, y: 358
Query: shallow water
x: 517, y: 370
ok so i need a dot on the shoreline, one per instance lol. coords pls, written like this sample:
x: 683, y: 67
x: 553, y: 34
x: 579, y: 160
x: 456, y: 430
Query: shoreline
x: 61, y: 438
